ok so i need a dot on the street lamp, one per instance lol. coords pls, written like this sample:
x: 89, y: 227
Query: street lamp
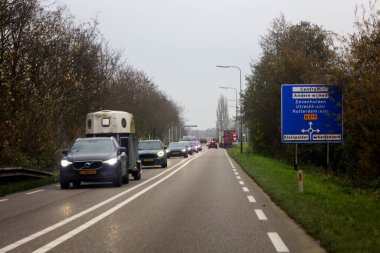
x: 225, y: 87
x: 241, y: 118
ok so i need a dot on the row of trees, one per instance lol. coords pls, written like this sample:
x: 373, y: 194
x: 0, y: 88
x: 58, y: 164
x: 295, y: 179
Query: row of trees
x: 307, y: 53
x: 54, y: 71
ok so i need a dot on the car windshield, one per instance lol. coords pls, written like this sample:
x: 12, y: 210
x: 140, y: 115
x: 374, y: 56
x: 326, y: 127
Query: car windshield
x: 176, y: 145
x: 93, y: 146
x: 149, y: 145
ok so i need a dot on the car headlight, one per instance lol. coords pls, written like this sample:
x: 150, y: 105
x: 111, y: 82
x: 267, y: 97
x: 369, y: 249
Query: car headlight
x: 65, y: 163
x: 160, y: 153
x: 111, y: 161
x: 183, y: 150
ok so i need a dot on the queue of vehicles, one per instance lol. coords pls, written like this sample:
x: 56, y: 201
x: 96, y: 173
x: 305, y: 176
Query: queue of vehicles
x: 111, y: 152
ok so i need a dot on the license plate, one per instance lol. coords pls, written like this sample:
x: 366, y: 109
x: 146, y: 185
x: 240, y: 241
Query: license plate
x: 87, y: 172
x: 148, y: 160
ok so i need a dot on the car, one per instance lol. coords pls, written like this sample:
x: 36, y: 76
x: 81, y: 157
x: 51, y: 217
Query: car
x: 94, y: 159
x: 152, y: 153
x: 212, y: 144
x: 190, y: 149
x: 177, y: 149
x: 197, y: 145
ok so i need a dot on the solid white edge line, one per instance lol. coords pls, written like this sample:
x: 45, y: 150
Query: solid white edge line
x: 86, y: 225
x: 245, y: 189
x: 260, y: 214
x: 84, y: 212
x: 29, y: 193
x: 2, y: 200
x: 251, y: 199
x: 277, y: 242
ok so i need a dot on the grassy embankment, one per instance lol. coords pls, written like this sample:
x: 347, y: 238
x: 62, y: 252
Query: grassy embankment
x: 343, y: 218
x: 8, y: 186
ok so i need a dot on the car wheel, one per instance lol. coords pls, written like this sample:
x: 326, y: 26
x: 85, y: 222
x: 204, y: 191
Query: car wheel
x: 65, y: 184
x: 136, y: 175
x: 118, y: 181
x: 126, y: 179
x: 186, y: 156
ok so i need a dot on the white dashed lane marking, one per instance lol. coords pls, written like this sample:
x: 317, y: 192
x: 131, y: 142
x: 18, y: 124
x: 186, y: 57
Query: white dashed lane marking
x: 241, y: 182
x: 251, y: 199
x: 29, y: 193
x: 260, y: 214
x: 245, y: 189
x: 277, y: 242
x: 239, y: 178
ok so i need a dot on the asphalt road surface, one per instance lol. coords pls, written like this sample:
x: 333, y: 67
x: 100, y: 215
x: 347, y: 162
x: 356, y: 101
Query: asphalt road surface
x: 204, y: 203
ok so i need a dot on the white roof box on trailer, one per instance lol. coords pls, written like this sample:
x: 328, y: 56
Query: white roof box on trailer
x: 106, y: 121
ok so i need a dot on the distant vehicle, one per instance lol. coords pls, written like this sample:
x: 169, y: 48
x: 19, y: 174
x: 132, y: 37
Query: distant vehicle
x: 152, y: 152
x: 197, y: 145
x: 176, y: 149
x: 94, y: 159
x: 212, y: 144
x: 190, y: 149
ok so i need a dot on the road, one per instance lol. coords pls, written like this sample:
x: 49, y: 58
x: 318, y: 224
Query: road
x: 204, y: 203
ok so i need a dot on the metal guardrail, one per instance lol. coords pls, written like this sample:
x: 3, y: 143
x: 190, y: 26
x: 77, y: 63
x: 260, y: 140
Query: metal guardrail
x: 19, y: 171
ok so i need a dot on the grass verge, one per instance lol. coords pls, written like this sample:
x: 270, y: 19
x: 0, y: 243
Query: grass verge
x: 343, y: 219
x: 18, y: 184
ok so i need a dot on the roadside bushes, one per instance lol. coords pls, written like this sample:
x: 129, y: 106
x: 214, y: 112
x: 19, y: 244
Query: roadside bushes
x: 54, y: 71
x: 306, y: 53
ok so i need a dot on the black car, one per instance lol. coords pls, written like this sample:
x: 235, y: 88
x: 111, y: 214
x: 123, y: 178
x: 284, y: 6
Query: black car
x: 152, y: 152
x: 94, y: 159
x: 176, y: 149
x: 190, y: 148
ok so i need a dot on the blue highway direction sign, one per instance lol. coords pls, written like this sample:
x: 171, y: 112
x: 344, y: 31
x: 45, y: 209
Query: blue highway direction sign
x: 311, y: 113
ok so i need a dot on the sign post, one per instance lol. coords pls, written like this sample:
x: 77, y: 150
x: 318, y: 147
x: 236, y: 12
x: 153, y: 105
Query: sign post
x: 311, y: 113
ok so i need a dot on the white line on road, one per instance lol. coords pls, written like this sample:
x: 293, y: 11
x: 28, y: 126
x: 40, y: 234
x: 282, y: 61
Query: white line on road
x: 74, y: 217
x: 277, y: 242
x: 251, y: 199
x: 86, y: 225
x: 29, y: 193
x: 236, y: 173
x: 241, y: 182
x: 245, y: 189
x: 238, y: 177
x: 2, y: 200
x: 234, y: 170
x: 260, y: 214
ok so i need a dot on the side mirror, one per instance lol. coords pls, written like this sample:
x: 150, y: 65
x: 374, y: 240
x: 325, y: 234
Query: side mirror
x: 65, y: 152
x: 121, y: 150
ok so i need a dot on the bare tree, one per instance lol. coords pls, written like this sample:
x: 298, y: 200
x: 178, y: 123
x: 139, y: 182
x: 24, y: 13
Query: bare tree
x: 222, y: 117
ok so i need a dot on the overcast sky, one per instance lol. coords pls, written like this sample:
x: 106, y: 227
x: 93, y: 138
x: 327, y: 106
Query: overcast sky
x: 178, y: 43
